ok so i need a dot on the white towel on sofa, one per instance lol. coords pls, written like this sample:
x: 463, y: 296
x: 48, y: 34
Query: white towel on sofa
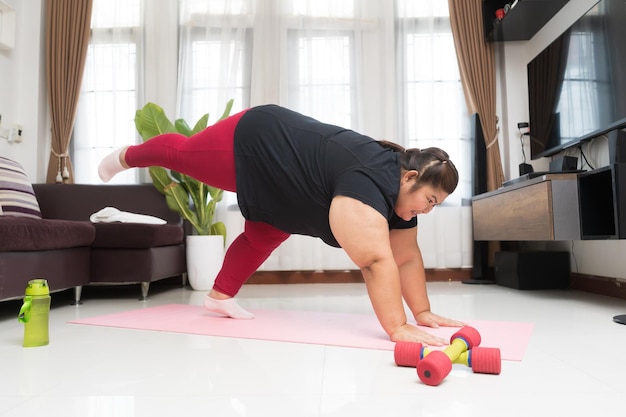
x: 111, y: 215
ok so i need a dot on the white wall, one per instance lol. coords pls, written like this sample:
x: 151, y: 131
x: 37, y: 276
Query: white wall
x: 601, y: 258
x: 23, y: 92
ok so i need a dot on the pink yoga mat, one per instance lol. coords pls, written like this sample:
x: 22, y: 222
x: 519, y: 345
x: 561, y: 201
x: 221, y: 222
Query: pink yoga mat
x: 322, y: 328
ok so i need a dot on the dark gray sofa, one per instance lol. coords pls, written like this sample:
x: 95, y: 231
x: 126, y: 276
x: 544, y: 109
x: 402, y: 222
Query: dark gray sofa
x: 56, y: 250
x: 105, y: 253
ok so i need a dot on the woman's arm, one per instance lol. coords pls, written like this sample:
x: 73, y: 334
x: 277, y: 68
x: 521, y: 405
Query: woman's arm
x: 364, y: 234
x: 408, y: 257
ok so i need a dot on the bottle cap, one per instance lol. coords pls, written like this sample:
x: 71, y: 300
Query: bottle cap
x: 37, y: 287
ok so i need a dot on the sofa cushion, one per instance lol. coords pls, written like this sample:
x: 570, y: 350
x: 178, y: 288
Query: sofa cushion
x: 136, y: 235
x: 26, y: 234
x: 17, y: 197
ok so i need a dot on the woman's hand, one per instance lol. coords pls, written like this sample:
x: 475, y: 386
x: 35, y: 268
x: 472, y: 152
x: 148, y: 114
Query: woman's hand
x: 427, y: 318
x: 410, y: 333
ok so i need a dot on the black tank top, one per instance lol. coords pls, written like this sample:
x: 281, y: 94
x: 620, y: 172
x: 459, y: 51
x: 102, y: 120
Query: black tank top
x: 289, y: 167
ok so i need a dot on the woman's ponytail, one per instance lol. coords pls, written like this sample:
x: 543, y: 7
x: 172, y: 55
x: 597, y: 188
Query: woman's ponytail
x: 432, y: 164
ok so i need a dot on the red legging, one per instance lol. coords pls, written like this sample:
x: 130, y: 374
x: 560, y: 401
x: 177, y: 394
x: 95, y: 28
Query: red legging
x: 209, y: 157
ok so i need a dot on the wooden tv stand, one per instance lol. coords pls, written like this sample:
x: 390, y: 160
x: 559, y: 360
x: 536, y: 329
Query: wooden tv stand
x: 542, y: 208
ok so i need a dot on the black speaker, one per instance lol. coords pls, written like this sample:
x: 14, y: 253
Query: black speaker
x: 535, y: 270
x: 525, y: 169
x: 617, y: 146
x: 564, y: 163
x: 480, y: 253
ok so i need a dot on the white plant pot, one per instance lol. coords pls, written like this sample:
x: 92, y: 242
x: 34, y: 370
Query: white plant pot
x: 205, y: 255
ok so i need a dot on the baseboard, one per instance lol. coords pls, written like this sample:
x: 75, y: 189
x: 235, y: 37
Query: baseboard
x: 342, y: 277
x: 610, y: 287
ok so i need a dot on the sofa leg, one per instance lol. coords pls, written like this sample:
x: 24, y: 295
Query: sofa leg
x: 77, y: 293
x: 184, y: 276
x: 145, y: 286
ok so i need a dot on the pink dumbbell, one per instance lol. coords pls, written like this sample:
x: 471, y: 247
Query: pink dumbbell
x: 482, y: 360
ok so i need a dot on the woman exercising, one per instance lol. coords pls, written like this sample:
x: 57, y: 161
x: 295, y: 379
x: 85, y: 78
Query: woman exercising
x: 295, y: 175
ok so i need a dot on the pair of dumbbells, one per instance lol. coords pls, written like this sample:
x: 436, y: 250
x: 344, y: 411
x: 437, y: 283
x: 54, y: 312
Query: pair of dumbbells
x: 434, y: 365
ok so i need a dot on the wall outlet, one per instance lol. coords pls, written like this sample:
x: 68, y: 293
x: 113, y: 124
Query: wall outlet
x: 18, y: 133
x: 13, y: 134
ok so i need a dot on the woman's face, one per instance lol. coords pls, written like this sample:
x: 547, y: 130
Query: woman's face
x: 421, y: 201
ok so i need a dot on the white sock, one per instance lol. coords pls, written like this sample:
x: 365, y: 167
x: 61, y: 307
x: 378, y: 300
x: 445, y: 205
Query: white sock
x: 110, y: 165
x: 228, y: 307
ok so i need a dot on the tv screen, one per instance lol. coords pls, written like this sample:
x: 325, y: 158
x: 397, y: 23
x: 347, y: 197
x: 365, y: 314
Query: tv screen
x: 577, y: 85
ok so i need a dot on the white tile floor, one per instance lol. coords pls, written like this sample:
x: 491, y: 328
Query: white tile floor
x: 574, y: 364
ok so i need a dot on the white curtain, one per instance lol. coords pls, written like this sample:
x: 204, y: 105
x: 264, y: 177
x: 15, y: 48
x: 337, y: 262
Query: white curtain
x: 432, y: 104
x: 110, y: 90
x: 387, y: 70
x: 306, y: 55
x: 214, y: 59
x: 384, y: 68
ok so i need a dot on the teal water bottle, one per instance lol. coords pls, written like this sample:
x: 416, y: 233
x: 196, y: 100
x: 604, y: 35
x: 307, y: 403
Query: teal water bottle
x: 35, y: 313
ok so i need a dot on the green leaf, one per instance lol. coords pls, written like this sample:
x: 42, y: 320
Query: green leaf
x: 216, y: 193
x: 151, y: 121
x: 178, y: 200
x: 219, y: 228
x: 201, y: 124
x: 227, y: 109
x: 160, y: 178
x: 182, y: 127
x: 176, y: 175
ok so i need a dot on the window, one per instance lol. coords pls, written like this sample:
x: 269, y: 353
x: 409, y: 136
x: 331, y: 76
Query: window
x: 216, y: 45
x: 385, y: 69
x: 322, y: 59
x: 390, y: 73
x: 111, y: 99
x: 433, y: 106
x: 206, y: 79
x: 109, y: 93
x: 321, y: 81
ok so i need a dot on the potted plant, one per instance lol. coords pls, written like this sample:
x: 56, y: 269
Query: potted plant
x: 194, y: 200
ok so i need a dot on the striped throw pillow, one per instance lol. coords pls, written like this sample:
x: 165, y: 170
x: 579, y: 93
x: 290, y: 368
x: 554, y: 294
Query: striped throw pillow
x: 17, y: 197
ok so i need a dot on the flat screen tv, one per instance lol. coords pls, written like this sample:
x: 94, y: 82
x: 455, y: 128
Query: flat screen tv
x: 577, y: 85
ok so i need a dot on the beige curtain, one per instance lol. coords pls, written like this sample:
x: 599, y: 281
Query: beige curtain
x: 478, y: 76
x: 67, y: 38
